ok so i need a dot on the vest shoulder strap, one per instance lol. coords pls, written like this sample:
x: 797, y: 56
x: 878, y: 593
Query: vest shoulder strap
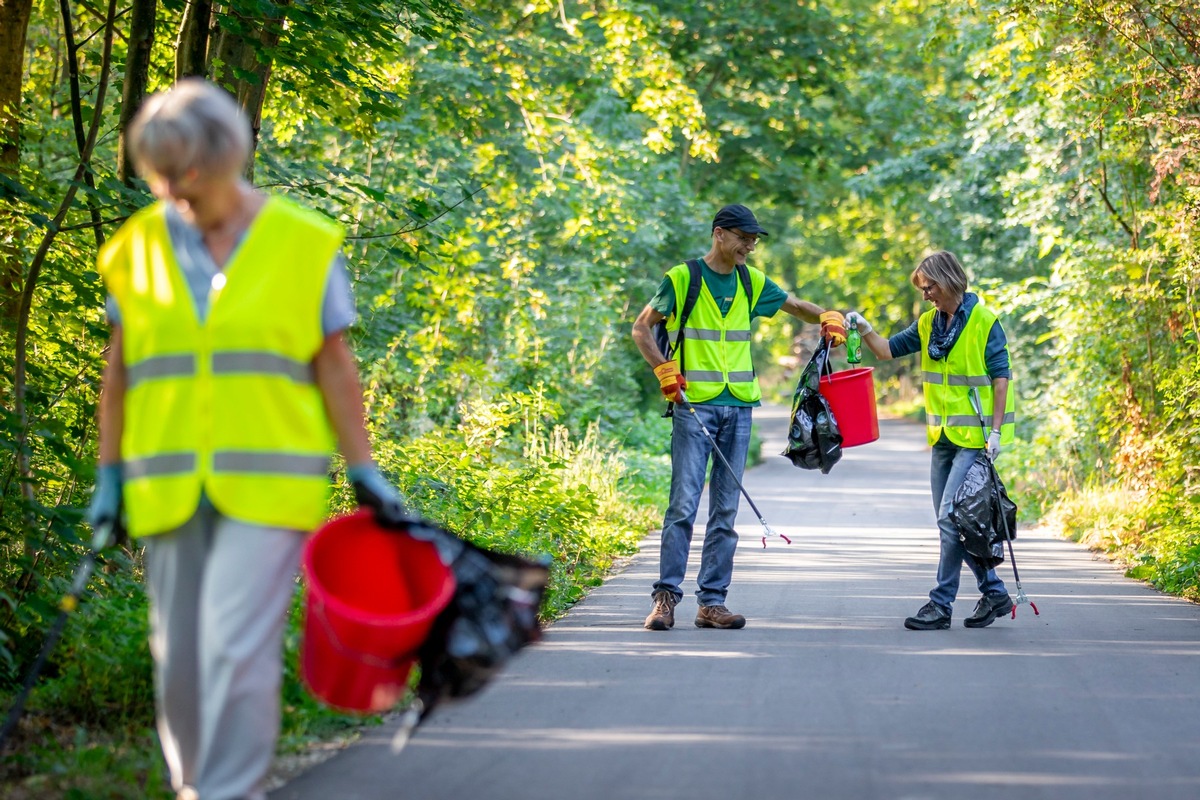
x: 689, y: 302
x: 744, y: 273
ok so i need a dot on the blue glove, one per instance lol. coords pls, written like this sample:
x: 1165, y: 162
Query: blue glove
x: 105, y: 508
x: 993, y: 445
x: 372, y: 491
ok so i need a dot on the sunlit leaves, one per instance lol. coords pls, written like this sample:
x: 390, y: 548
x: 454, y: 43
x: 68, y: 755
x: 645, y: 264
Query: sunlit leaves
x: 641, y: 66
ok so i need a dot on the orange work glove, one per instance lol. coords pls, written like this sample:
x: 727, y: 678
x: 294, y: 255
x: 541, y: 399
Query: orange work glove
x: 833, y: 328
x: 670, y: 380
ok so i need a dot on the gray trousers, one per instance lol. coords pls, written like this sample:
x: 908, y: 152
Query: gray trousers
x: 219, y: 595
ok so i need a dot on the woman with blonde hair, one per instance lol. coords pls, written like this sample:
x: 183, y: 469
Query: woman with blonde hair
x: 964, y: 359
x: 227, y: 386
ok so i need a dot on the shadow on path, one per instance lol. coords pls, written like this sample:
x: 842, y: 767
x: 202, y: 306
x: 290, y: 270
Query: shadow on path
x: 824, y: 694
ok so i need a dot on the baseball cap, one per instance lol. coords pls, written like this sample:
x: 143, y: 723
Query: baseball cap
x: 738, y: 216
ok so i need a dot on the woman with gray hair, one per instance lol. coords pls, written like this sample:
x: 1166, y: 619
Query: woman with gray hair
x: 227, y: 386
x: 964, y: 358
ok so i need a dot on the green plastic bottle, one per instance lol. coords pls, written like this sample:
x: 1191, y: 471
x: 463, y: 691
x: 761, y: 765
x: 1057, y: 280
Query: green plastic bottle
x: 853, y: 343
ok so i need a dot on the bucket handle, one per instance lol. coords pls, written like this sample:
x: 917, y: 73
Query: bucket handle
x: 821, y: 357
x: 317, y: 608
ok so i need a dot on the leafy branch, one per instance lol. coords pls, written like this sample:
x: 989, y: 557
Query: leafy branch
x: 35, y: 267
x: 423, y: 223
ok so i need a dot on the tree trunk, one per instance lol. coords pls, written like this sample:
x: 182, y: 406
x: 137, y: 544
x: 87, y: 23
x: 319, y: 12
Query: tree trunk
x: 77, y: 112
x: 191, y: 49
x: 137, y: 71
x: 14, y: 21
x: 248, y: 54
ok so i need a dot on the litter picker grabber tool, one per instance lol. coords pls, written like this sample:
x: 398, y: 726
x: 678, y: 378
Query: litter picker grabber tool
x: 767, y: 530
x: 100, y: 540
x: 1020, y: 598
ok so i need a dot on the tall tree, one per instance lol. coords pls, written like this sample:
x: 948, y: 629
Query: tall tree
x: 240, y: 57
x: 191, y: 48
x: 14, y: 22
x: 143, y: 15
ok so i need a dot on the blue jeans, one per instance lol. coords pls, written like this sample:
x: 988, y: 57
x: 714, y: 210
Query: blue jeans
x: 690, y: 454
x: 947, y: 470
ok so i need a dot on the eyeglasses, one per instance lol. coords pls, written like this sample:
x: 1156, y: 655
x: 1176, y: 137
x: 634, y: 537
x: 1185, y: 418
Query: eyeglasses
x: 743, y: 238
x: 927, y: 288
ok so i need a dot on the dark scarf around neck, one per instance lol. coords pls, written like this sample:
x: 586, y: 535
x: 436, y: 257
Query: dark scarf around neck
x: 943, y: 336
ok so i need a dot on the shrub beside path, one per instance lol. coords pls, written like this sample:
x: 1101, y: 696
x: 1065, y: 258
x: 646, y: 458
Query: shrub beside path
x: 824, y: 694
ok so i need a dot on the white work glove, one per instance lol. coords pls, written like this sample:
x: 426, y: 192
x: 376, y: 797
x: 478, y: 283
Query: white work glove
x: 993, y: 445
x: 863, y: 326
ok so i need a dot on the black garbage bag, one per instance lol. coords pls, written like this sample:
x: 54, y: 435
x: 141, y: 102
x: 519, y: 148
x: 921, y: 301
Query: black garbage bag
x: 492, y: 615
x: 977, y: 514
x: 814, y: 441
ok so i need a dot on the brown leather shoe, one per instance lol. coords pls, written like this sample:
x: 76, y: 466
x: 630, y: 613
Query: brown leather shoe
x: 718, y: 617
x: 662, y: 618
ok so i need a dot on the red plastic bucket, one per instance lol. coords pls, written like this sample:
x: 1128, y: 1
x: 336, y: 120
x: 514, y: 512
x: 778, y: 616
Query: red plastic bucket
x: 372, y: 595
x: 851, y: 397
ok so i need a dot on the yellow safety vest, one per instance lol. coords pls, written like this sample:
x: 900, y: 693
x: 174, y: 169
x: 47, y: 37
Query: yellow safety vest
x: 228, y: 406
x: 717, y: 348
x: 948, y: 385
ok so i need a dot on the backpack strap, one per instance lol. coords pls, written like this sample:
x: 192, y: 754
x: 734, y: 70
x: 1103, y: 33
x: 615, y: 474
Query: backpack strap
x: 689, y: 302
x: 695, y: 279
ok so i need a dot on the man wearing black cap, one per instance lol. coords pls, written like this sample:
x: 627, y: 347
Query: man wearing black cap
x: 721, y: 386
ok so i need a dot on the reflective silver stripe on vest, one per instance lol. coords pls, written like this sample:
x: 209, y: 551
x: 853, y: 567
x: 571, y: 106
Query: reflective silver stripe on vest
x: 270, y: 463
x: 968, y: 380
x: 153, y: 466
x: 965, y: 420
x: 176, y: 366
x: 710, y: 335
x: 957, y: 380
x: 712, y: 376
x: 262, y: 363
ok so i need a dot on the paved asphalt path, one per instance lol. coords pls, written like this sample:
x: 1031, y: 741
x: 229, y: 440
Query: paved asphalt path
x: 824, y: 694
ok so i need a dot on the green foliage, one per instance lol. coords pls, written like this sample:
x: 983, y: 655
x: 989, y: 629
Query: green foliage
x: 100, y: 672
x: 510, y: 479
x: 1157, y: 538
x: 1168, y: 553
x: 1105, y: 192
x: 79, y: 762
x: 515, y: 179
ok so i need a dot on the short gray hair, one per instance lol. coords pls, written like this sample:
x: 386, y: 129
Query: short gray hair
x: 943, y: 269
x: 194, y: 124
